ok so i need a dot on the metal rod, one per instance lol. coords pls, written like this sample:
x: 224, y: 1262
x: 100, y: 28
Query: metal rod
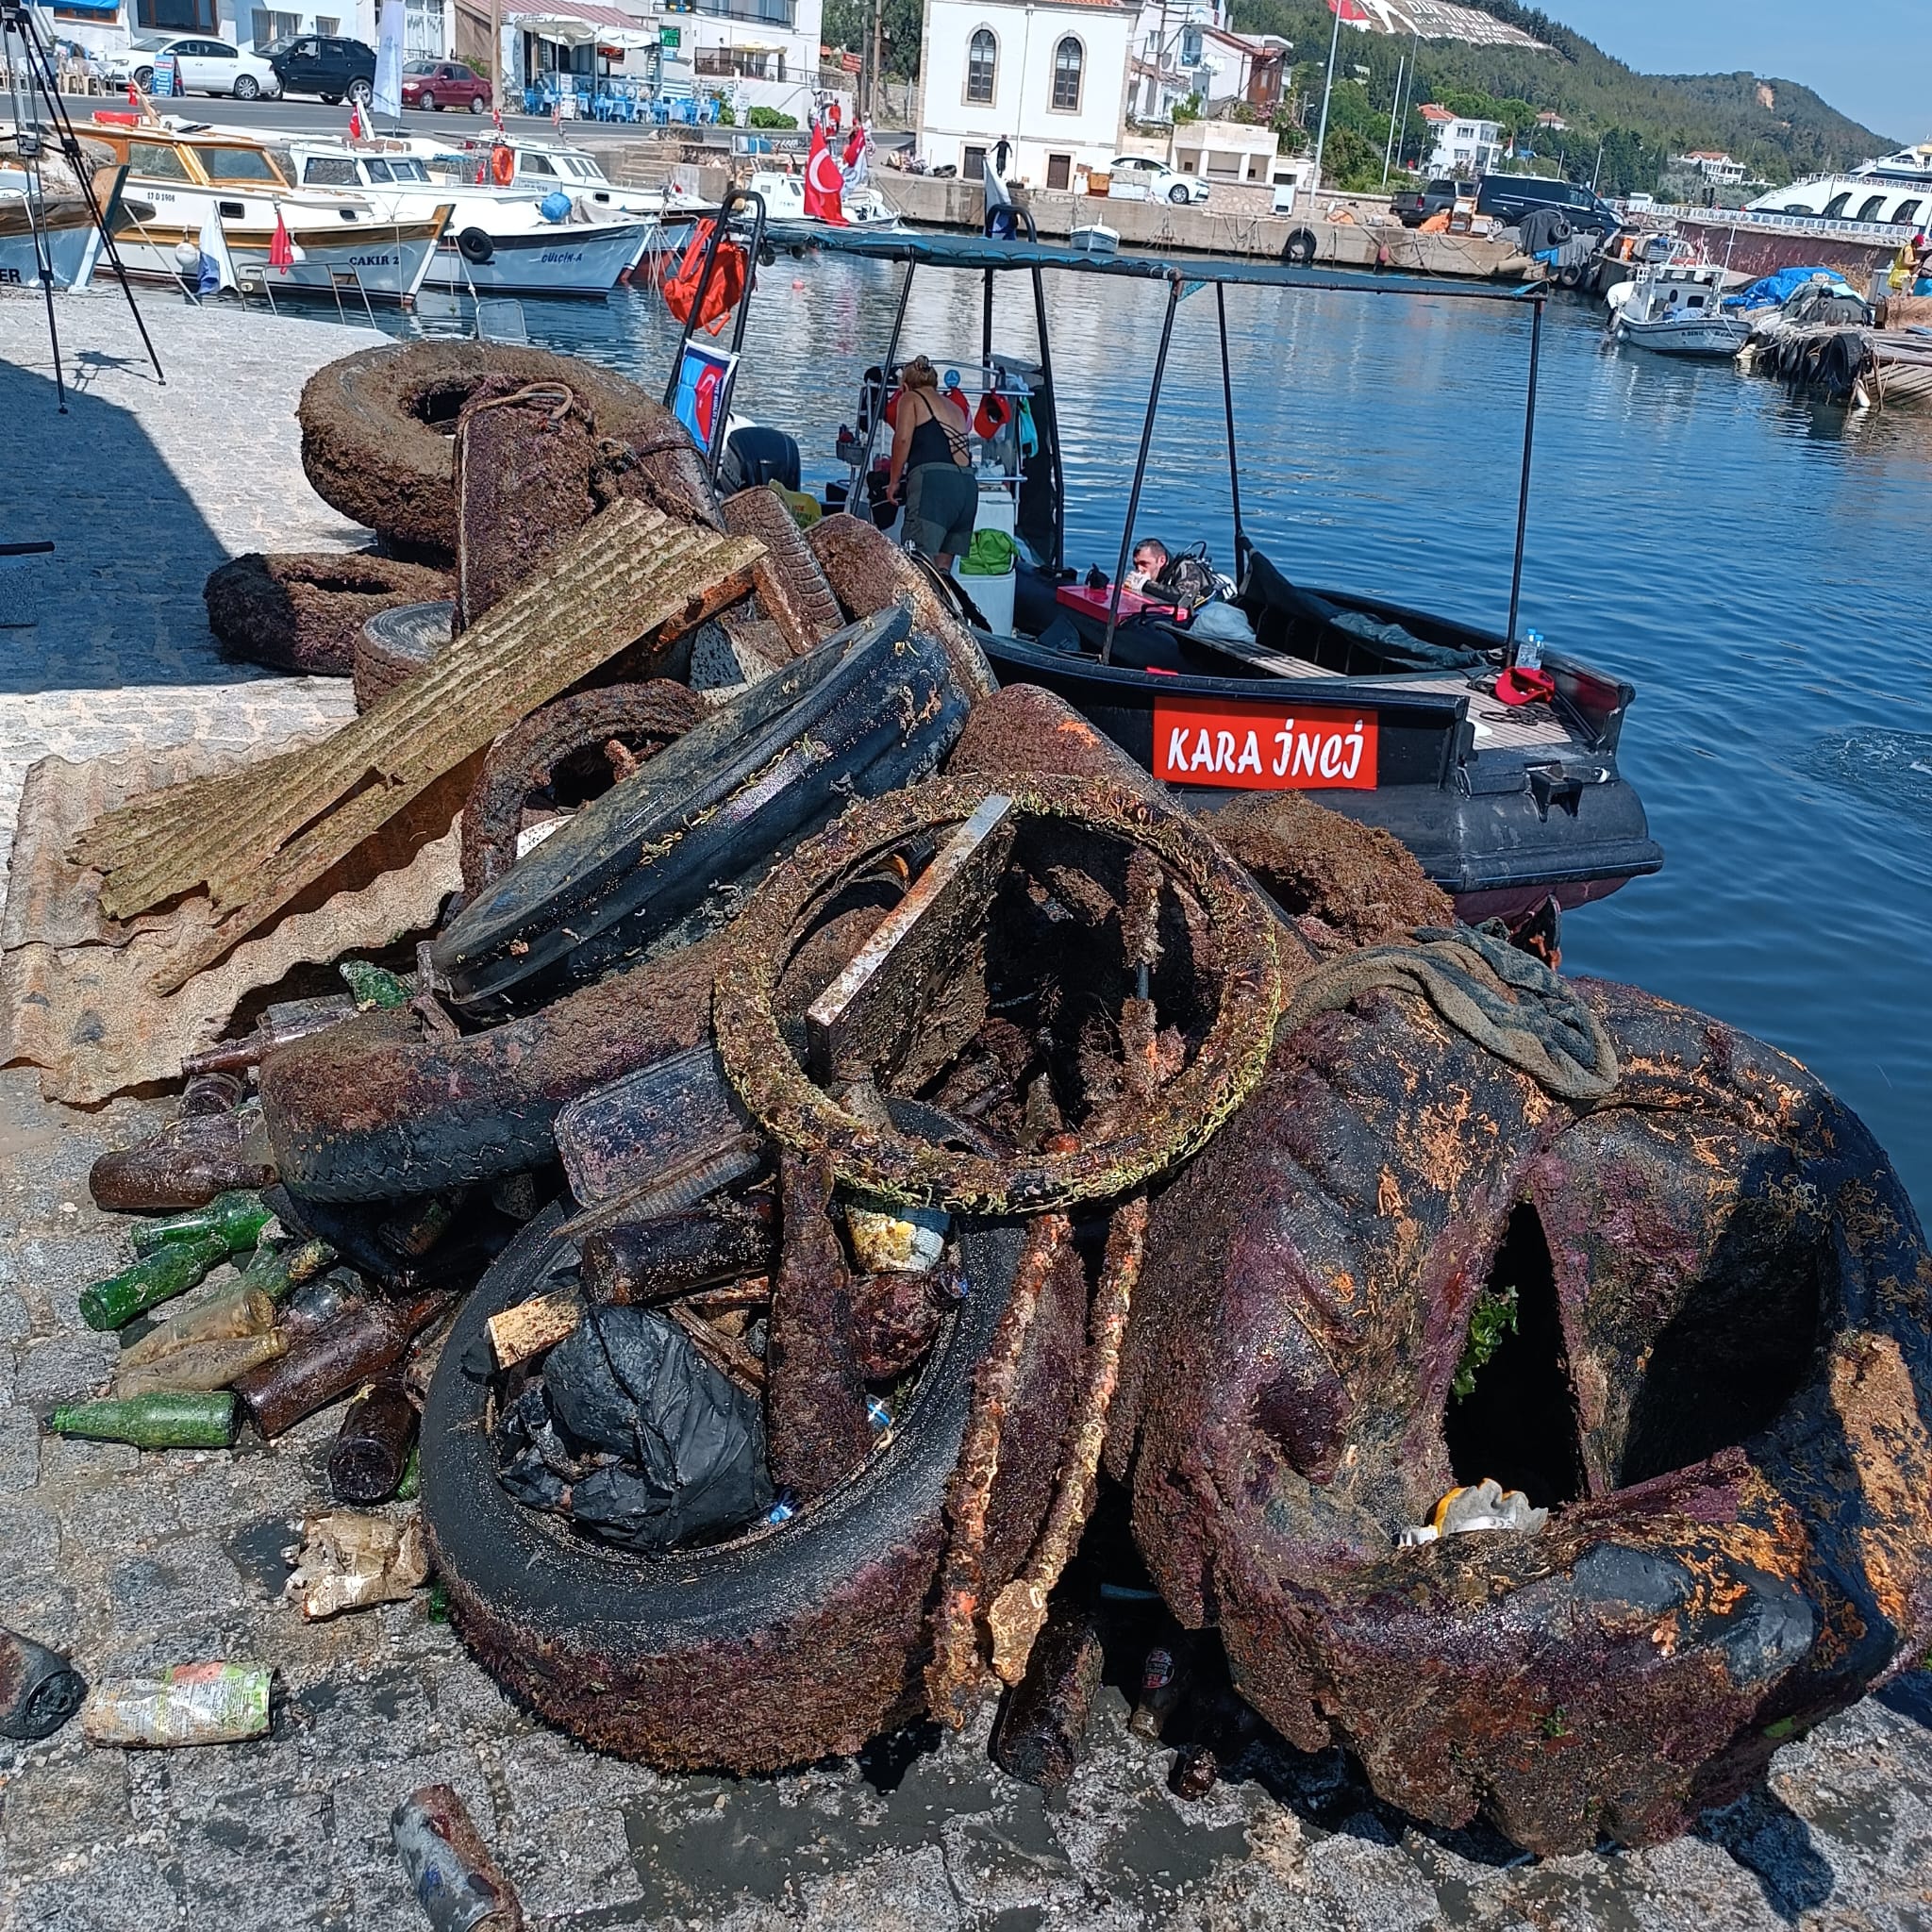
x: 1053, y: 427
x: 1234, y: 478
x: 1328, y: 88
x: 1113, y: 601
x: 732, y: 198
x: 862, y: 476
x: 1394, y: 120
x: 1535, y: 346
x: 986, y: 321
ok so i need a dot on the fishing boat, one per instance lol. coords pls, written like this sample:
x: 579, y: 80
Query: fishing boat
x: 1095, y: 237
x: 1498, y: 772
x: 1676, y: 309
x: 179, y: 184
x: 537, y: 167
x: 61, y: 225
x: 498, y: 240
x: 866, y: 208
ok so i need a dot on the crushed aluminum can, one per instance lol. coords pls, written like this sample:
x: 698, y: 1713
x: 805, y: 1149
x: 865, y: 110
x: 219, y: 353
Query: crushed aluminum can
x: 450, y: 1869
x: 38, y: 1688
x: 896, y: 1240
x: 191, y: 1704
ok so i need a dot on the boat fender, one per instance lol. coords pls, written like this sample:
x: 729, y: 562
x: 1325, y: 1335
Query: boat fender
x: 1298, y: 251
x: 475, y: 246
x: 503, y: 165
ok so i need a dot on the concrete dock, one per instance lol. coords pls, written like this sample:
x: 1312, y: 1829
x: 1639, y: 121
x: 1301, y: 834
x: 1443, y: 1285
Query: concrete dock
x: 131, y: 1562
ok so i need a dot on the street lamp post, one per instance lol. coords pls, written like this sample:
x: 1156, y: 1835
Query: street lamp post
x: 1327, y: 89
x: 1394, y: 122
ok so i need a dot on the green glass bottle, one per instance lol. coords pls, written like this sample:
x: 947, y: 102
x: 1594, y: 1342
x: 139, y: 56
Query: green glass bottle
x: 161, y: 1420
x: 375, y: 986
x: 277, y: 1271
x: 238, y: 1218
x: 155, y: 1278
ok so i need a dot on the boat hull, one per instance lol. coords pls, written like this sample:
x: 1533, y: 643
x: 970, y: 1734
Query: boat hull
x: 68, y: 234
x: 1717, y: 339
x: 564, y: 260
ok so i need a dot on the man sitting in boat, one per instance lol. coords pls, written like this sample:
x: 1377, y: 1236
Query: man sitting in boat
x: 931, y: 471
x: 1150, y: 559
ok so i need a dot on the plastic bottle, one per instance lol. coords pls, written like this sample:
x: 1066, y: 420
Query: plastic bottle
x: 155, y: 1278
x: 201, y: 1365
x: 191, y: 1704
x: 1529, y: 652
x: 153, y: 1422
x: 238, y: 1218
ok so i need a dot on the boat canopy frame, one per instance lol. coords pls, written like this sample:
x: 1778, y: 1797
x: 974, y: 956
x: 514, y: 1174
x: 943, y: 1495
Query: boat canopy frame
x: 993, y: 255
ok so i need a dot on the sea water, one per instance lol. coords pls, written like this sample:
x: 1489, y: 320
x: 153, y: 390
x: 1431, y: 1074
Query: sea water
x: 1759, y: 567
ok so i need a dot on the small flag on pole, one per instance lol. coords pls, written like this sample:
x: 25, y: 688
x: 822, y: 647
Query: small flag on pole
x: 281, y: 251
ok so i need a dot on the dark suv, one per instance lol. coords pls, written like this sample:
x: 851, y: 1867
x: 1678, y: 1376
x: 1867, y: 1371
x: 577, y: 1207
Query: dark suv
x: 324, y: 64
x: 1509, y: 198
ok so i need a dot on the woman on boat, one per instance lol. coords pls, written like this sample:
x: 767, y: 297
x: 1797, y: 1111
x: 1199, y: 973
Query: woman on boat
x: 932, y: 466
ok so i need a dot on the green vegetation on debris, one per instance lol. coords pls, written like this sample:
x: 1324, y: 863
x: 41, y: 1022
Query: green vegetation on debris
x: 1489, y: 1320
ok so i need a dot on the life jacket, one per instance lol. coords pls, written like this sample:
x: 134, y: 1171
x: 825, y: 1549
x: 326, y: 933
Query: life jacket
x: 724, y: 292
x: 992, y: 416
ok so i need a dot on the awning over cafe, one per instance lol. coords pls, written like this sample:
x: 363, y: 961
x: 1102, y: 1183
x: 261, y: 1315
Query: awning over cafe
x: 583, y: 25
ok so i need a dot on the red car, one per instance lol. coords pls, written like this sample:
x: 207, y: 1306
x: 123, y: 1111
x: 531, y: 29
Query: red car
x: 441, y: 84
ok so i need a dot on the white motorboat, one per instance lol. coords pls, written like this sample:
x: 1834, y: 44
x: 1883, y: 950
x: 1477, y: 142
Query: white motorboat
x: 537, y: 167
x: 1894, y: 189
x: 866, y: 208
x: 66, y: 230
x: 1094, y: 238
x: 1676, y: 307
x: 180, y: 184
x: 498, y: 240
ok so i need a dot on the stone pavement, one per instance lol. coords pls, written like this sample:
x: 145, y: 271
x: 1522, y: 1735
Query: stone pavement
x: 130, y: 1561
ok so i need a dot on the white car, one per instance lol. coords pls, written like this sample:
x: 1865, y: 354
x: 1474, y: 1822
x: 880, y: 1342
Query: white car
x: 202, y: 66
x: 1141, y: 177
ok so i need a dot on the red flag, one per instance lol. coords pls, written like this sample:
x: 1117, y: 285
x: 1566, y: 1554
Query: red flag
x: 358, y: 130
x: 281, y: 251
x: 825, y: 187
x: 133, y: 96
x: 1353, y: 11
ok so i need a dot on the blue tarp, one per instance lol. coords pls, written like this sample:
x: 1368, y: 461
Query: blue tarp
x: 1771, y: 291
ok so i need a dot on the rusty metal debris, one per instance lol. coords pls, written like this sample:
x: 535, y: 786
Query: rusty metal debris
x: 450, y: 1869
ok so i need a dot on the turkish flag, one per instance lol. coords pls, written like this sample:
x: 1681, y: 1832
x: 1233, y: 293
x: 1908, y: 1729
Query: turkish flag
x: 1350, y: 11
x: 825, y: 187
x: 281, y: 251
x: 358, y: 130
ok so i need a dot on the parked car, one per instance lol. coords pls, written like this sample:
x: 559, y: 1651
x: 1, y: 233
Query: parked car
x: 202, y: 66
x: 1509, y: 198
x: 439, y: 84
x: 325, y: 64
x: 1141, y: 177
x: 1416, y: 204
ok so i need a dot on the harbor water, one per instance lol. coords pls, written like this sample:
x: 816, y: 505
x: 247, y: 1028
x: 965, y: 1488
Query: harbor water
x: 1756, y: 566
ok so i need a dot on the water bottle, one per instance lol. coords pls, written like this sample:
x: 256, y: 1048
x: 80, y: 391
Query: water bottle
x: 1529, y: 652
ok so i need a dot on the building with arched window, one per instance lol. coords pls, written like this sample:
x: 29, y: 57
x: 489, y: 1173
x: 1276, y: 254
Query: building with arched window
x: 1047, y: 76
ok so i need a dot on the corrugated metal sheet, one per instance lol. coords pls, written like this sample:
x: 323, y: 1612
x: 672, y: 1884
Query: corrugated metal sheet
x: 256, y: 840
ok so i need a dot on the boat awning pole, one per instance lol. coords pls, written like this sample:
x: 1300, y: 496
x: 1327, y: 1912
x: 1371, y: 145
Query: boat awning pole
x: 1113, y: 601
x: 1535, y: 348
x: 861, y: 478
x: 1059, y: 488
x: 1234, y: 477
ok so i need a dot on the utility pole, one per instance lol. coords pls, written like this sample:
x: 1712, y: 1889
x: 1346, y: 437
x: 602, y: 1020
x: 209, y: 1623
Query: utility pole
x: 1327, y: 89
x: 1599, y: 168
x: 879, y: 45
x: 1394, y: 122
x: 497, y: 55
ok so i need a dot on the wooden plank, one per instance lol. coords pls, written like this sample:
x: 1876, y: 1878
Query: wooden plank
x: 258, y: 839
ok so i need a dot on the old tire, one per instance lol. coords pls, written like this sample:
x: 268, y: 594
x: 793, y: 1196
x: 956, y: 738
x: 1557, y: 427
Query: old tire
x: 376, y: 441
x: 777, y: 1648
x: 397, y: 644
x: 1716, y: 1375
x: 474, y: 244
x: 1298, y: 251
x: 304, y: 612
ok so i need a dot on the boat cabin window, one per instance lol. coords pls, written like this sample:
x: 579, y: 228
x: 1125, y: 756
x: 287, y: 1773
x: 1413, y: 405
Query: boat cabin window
x: 571, y: 164
x: 409, y: 170
x: 1835, y: 206
x: 156, y: 160
x: 1905, y: 211
x: 1870, y: 211
x: 535, y: 164
x: 379, y: 171
x: 240, y: 165
x: 330, y: 171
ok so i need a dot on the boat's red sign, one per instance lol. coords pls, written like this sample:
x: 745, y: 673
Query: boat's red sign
x: 1250, y: 746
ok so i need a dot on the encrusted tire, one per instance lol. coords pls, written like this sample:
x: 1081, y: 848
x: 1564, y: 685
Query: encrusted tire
x: 777, y: 1648
x: 304, y: 611
x: 397, y: 644
x: 1298, y: 251
x: 643, y: 718
x: 1718, y: 1379
x: 377, y: 443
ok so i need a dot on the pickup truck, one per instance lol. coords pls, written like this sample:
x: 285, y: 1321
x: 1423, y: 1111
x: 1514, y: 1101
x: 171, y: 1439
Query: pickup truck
x: 1414, y: 206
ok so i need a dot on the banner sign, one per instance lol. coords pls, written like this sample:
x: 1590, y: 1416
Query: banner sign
x: 1250, y: 746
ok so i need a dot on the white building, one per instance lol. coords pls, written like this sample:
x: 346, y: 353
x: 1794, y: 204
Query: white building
x: 1713, y: 166
x: 1049, y: 77
x: 1463, y: 147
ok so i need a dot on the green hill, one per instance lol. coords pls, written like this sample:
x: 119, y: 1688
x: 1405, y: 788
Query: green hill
x: 1777, y: 127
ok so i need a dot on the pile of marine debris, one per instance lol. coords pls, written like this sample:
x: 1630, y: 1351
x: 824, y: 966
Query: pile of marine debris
x: 1826, y: 339
x: 869, y: 1199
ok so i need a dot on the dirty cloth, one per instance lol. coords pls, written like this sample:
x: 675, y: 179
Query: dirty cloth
x: 633, y: 1435
x: 1505, y: 1000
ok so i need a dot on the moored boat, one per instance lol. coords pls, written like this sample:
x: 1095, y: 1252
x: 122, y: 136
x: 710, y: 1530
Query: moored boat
x: 58, y: 229
x: 1676, y: 309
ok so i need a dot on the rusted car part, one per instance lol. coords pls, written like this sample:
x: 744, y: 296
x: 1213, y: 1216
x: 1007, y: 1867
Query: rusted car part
x: 869, y: 573
x: 377, y: 1109
x: 185, y: 1164
x: 1703, y: 1300
x: 772, y: 1649
x: 377, y: 443
x: 793, y: 593
x: 304, y: 611
x: 256, y: 840
x: 1224, y: 960
x: 872, y: 709
x: 571, y: 751
x: 525, y: 453
x: 397, y: 644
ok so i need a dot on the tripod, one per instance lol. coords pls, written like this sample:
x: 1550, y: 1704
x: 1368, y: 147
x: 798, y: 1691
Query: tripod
x: 30, y: 141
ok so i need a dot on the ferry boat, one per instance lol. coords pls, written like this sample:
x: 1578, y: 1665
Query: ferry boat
x: 178, y: 181
x: 497, y: 241
x: 1676, y: 309
x: 1894, y: 189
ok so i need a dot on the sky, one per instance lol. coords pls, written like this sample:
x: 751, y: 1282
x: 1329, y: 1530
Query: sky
x: 1875, y: 65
